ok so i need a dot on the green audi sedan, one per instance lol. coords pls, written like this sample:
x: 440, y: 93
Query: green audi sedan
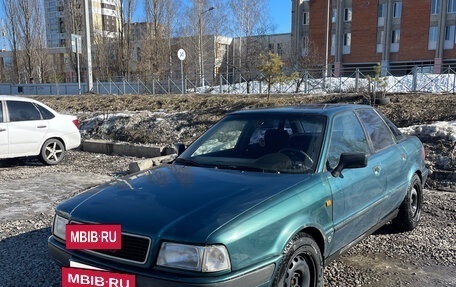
x: 266, y: 197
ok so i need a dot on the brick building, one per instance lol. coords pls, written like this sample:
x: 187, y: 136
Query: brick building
x: 399, y: 34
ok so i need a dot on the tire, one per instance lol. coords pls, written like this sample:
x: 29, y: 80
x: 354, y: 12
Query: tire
x: 52, y: 152
x: 302, y: 264
x: 410, y: 210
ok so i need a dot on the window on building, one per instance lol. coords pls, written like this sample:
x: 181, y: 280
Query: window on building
x: 305, y: 46
x: 333, y: 44
x: 279, y: 49
x: 433, y: 36
x: 271, y: 47
x: 395, y: 39
x: 347, y: 43
x: 396, y: 36
x: 380, y: 41
x: 451, y: 6
x: 334, y: 16
x: 305, y: 18
x: 449, y: 37
x: 435, y: 7
x: 397, y: 9
x: 381, y: 14
x: 347, y: 14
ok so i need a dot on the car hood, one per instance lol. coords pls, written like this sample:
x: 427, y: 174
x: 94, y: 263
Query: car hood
x: 177, y: 202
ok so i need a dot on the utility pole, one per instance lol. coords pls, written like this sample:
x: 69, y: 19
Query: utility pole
x: 328, y: 11
x: 200, y: 41
x: 88, y: 45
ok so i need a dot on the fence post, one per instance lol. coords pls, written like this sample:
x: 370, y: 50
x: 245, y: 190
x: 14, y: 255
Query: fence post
x: 169, y: 85
x: 323, y: 73
x: 357, y: 80
x: 221, y: 83
x: 454, y: 81
x: 415, y: 78
x: 153, y: 85
x: 306, y: 81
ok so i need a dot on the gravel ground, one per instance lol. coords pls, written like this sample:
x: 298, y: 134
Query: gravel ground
x: 423, y: 257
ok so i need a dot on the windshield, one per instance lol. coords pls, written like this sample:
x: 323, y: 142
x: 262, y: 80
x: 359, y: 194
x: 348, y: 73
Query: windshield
x: 267, y: 143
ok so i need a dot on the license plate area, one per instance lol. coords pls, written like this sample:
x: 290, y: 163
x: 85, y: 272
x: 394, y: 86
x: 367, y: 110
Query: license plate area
x: 76, y: 264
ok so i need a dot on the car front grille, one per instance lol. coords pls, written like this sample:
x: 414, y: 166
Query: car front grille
x: 135, y: 249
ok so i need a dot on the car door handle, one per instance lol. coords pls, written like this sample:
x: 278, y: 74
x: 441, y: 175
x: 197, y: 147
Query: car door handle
x: 2, y: 130
x: 377, y: 170
x: 41, y: 127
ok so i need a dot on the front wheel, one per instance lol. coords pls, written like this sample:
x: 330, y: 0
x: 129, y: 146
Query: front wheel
x: 302, y: 264
x: 52, y: 152
x: 410, y: 210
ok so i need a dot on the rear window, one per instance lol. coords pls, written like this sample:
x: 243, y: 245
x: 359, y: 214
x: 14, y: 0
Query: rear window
x: 45, y: 113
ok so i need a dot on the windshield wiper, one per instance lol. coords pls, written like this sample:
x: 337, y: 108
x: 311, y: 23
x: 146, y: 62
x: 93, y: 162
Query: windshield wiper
x: 185, y: 161
x: 240, y: 167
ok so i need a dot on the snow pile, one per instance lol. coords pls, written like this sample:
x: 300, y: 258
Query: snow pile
x: 444, y: 130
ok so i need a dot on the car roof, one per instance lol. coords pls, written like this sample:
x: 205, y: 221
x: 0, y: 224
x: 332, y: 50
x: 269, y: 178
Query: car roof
x: 24, y: 99
x: 16, y: 98
x: 315, y: 109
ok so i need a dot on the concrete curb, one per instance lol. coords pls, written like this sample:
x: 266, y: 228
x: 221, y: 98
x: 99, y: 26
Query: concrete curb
x: 127, y: 149
x: 154, y: 155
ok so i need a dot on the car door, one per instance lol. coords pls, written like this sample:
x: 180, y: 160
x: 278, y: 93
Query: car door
x: 26, y: 129
x: 388, y: 157
x: 3, y: 134
x: 357, y: 191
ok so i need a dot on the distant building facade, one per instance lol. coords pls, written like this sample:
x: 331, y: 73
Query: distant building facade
x: 104, y: 19
x: 399, y: 34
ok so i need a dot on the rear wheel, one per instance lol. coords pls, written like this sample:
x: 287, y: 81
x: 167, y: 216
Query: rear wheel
x: 410, y: 210
x: 302, y: 264
x: 52, y: 152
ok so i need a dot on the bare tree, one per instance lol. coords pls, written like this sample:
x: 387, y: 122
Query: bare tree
x: 304, y: 62
x: 249, y: 18
x: 30, y: 26
x: 70, y: 23
x: 12, y: 34
x: 127, y: 9
x: 155, y: 44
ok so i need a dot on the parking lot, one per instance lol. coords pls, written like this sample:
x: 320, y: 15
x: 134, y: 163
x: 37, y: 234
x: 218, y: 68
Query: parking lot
x: 29, y: 191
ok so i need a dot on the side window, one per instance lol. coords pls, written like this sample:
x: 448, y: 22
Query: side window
x: 22, y: 111
x: 376, y: 128
x: 1, y: 112
x: 45, y: 113
x: 347, y: 135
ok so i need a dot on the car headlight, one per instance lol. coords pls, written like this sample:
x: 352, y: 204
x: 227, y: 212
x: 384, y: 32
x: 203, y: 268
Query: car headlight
x: 210, y: 258
x: 59, y: 227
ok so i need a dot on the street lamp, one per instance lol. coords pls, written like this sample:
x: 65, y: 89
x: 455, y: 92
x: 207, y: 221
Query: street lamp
x: 200, y: 44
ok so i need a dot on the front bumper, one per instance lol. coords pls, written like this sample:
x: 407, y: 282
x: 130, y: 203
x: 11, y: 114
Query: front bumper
x: 260, y: 277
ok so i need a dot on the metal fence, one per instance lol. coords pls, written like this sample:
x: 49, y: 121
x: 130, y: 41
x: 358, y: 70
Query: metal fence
x: 418, y: 79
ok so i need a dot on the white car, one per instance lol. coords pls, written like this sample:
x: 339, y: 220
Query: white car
x: 30, y: 128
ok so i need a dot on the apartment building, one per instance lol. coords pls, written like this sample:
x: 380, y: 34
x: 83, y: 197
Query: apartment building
x: 399, y: 34
x: 60, y: 14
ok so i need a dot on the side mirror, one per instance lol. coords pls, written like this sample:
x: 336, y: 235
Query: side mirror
x: 350, y: 160
x: 179, y: 148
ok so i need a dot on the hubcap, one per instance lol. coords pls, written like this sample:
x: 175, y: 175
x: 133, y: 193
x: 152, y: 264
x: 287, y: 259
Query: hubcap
x: 53, y: 152
x: 414, y: 201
